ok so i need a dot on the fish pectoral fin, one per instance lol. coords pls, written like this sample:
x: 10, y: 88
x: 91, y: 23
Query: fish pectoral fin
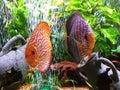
x: 73, y: 40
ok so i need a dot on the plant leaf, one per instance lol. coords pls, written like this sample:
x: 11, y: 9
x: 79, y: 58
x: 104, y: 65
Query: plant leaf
x: 111, y: 33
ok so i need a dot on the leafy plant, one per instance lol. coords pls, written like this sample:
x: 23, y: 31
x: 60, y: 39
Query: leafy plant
x: 73, y: 82
x: 103, y: 20
x: 117, y: 50
x: 18, y: 23
x: 112, y: 3
x: 28, y: 77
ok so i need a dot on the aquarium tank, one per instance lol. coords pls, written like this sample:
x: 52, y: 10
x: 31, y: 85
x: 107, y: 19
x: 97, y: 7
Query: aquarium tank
x: 21, y: 17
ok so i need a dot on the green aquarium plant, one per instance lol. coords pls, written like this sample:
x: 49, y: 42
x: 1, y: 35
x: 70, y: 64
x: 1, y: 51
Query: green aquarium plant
x: 18, y: 22
x: 103, y: 19
x: 117, y: 50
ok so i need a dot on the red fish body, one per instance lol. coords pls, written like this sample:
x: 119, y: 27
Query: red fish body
x: 38, y: 51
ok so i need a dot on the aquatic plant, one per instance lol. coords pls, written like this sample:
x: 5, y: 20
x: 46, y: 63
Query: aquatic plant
x: 104, y: 20
x: 117, y: 50
x: 18, y: 21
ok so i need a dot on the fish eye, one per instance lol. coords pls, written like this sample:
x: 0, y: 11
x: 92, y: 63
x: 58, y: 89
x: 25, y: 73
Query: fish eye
x: 33, y: 53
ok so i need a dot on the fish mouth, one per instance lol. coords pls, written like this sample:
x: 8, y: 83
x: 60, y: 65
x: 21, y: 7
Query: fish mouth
x: 30, y: 55
x: 41, y: 63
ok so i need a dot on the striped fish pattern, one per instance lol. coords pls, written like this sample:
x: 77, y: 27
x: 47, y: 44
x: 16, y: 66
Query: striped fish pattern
x: 79, y: 37
x: 38, y: 51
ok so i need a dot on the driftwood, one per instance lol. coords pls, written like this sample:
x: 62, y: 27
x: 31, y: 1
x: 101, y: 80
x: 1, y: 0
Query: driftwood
x: 13, y: 66
x: 98, y: 71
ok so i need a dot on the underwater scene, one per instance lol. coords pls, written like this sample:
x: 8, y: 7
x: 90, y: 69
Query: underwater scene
x: 59, y: 44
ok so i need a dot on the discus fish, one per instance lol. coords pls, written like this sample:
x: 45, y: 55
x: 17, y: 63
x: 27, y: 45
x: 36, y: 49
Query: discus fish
x: 79, y: 37
x: 38, y: 52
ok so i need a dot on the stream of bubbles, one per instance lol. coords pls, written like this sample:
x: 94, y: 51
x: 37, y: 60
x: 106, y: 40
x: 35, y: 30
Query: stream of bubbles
x: 49, y: 11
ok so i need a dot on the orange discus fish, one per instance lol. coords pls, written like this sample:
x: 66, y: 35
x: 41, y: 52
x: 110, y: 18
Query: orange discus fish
x: 38, y: 51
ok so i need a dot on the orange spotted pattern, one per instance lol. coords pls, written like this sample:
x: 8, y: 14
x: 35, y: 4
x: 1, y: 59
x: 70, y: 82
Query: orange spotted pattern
x: 38, y: 51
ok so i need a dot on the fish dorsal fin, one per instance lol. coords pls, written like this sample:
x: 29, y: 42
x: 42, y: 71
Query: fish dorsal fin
x: 43, y: 26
